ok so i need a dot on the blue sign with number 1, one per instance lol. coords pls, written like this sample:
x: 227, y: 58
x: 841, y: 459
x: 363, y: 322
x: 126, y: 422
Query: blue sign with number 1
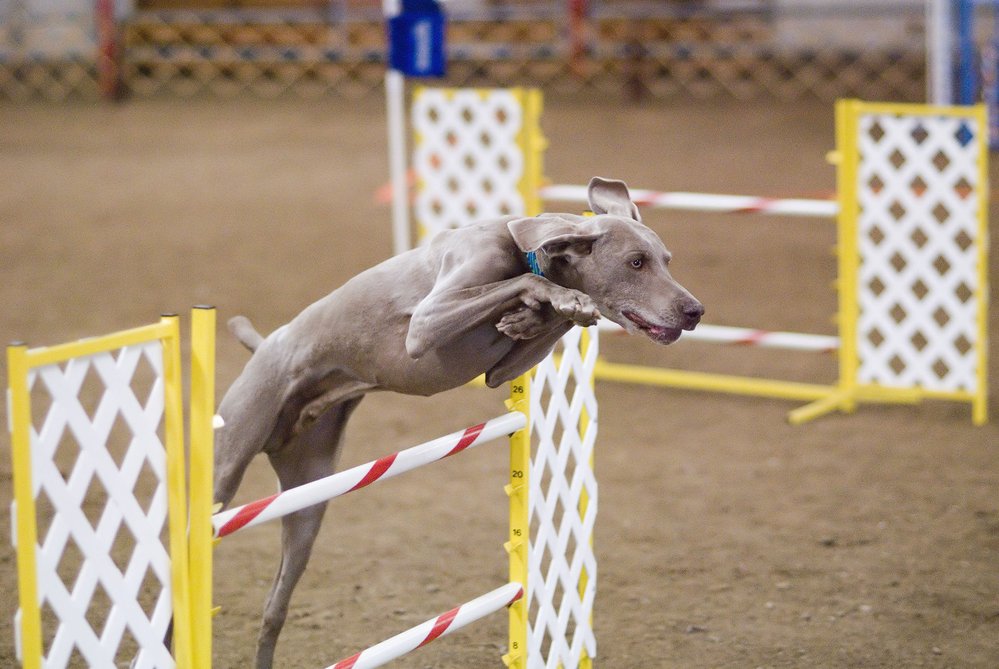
x: 416, y: 39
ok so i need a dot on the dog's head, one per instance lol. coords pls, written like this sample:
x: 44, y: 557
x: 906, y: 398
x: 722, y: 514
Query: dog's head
x: 616, y: 260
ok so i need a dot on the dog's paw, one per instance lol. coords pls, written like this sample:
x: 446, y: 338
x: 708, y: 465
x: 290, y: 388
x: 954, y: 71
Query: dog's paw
x: 522, y: 323
x: 576, y: 307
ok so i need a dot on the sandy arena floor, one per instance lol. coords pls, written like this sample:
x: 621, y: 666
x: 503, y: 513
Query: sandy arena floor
x: 726, y: 538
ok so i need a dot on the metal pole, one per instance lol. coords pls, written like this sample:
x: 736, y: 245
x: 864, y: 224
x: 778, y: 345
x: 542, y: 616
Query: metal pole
x: 939, y: 54
x: 395, y: 100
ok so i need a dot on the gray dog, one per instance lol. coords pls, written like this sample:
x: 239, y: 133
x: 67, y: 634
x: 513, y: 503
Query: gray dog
x: 493, y: 298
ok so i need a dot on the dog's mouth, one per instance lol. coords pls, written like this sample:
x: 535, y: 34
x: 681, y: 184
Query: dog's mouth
x: 657, y: 333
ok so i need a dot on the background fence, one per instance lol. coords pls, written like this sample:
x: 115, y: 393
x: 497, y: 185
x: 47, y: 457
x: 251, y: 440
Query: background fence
x: 663, y: 50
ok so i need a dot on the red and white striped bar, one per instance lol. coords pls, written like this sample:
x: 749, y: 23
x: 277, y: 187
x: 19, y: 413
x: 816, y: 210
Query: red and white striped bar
x: 724, y: 334
x: 435, y: 628
x: 325, y: 489
x: 734, y: 204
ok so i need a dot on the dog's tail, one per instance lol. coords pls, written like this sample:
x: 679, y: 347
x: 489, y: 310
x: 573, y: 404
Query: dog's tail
x: 243, y: 330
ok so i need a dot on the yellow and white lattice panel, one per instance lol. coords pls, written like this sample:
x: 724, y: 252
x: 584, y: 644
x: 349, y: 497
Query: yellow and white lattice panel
x: 98, y: 483
x: 562, y: 569
x: 920, y: 233
x: 467, y: 159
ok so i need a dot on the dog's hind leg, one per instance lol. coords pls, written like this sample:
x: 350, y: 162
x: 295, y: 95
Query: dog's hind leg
x: 311, y: 455
x: 250, y: 410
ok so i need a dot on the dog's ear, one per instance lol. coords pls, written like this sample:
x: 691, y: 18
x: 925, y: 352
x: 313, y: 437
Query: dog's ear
x: 553, y: 235
x: 609, y: 196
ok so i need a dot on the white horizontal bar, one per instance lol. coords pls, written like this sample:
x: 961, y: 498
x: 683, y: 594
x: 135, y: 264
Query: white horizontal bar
x: 742, y: 204
x: 724, y: 334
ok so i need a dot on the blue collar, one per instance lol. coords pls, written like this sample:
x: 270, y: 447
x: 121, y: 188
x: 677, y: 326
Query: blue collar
x: 532, y: 262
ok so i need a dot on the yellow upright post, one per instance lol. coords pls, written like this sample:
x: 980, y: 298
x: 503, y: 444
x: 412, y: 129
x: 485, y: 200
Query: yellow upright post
x: 842, y: 397
x: 532, y: 145
x: 847, y: 251
x: 30, y: 634
x: 980, y: 403
x: 585, y: 662
x: 173, y: 422
x: 201, y: 484
x: 516, y: 545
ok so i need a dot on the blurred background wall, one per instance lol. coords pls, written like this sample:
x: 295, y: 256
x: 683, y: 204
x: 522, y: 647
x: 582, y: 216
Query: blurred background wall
x: 665, y: 49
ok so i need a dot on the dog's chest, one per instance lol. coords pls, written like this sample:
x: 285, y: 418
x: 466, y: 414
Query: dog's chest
x: 450, y: 366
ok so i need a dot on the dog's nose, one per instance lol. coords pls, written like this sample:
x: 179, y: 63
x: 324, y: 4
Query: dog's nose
x: 692, y: 310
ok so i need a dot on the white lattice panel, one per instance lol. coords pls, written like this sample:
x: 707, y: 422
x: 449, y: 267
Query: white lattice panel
x: 98, y: 476
x: 467, y: 159
x: 562, y: 569
x: 919, y: 196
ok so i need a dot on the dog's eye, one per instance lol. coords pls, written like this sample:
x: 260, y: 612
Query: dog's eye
x: 637, y: 263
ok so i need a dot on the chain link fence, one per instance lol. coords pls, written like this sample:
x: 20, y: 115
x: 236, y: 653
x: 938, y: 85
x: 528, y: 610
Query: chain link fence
x: 763, y: 49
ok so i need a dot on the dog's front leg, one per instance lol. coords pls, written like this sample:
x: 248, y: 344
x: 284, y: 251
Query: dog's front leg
x: 458, y: 304
x: 527, y: 323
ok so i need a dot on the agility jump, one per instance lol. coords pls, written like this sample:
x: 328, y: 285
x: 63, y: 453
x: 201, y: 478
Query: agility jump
x: 154, y: 587
x: 911, y: 237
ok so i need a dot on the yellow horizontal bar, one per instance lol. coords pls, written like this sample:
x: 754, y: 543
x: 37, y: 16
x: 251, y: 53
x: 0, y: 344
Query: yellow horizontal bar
x: 826, y: 405
x: 47, y: 355
x: 871, y: 393
x: 739, y: 385
x: 916, y: 109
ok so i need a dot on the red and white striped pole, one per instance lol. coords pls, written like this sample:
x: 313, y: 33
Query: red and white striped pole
x: 325, y: 489
x: 733, y: 204
x: 726, y: 334
x: 432, y: 629
x: 793, y: 341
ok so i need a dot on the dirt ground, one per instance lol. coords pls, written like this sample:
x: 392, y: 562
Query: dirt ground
x: 726, y: 538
